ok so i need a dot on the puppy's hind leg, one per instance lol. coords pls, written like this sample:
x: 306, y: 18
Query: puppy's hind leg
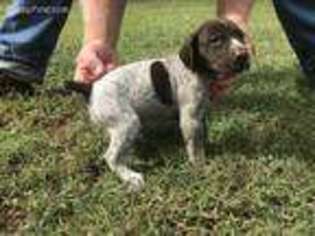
x: 122, y: 138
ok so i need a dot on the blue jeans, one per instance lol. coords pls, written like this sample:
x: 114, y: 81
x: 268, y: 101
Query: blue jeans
x: 298, y: 20
x: 30, y: 31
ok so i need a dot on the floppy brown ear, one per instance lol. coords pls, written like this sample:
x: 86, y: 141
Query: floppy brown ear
x: 187, y: 54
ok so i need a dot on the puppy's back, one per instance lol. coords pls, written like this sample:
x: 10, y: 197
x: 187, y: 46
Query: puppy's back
x: 128, y: 85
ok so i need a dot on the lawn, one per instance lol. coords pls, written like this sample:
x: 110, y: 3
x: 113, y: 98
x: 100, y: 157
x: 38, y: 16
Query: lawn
x: 259, y: 178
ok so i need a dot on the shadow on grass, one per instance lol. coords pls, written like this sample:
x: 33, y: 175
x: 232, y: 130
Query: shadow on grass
x: 284, y: 123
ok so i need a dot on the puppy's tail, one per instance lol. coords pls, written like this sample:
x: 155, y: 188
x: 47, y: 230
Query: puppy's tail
x: 83, y: 89
x: 96, y: 114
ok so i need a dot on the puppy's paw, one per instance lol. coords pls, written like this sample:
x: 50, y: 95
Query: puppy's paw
x: 135, y: 183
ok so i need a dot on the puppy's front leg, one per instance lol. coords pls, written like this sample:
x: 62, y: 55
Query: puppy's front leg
x: 193, y: 131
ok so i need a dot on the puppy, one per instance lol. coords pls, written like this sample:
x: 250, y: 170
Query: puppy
x: 128, y: 98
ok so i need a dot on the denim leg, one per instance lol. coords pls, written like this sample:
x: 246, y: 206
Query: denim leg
x: 298, y: 20
x: 30, y: 31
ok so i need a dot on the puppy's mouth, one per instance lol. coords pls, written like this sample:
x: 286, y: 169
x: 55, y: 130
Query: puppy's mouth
x: 225, y: 78
x: 240, y: 64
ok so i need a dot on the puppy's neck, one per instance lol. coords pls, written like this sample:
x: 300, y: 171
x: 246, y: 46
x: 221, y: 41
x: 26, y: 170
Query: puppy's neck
x: 207, y: 74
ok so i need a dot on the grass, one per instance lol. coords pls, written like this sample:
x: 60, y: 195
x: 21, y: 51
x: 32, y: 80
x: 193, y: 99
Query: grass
x: 260, y: 173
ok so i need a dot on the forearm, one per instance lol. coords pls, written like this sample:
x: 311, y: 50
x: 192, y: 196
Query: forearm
x: 102, y: 20
x: 235, y: 10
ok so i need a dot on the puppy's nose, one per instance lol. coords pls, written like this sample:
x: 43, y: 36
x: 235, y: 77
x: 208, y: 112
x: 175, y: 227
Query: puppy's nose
x: 241, y: 62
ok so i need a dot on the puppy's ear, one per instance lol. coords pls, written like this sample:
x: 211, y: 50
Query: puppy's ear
x: 188, y: 52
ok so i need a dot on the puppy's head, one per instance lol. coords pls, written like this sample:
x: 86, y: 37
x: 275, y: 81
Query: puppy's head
x: 217, y: 47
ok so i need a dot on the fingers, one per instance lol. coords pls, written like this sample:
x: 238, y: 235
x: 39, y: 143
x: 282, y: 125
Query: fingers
x: 110, y: 66
x: 249, y: 45
x: 243, y: 25
x: 93, y: 62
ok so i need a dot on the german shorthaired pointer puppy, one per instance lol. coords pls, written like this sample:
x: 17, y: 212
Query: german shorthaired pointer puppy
x: 127, y: 98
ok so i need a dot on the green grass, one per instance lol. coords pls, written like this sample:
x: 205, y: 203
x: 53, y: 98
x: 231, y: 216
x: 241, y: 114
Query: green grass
x: 260, y: 173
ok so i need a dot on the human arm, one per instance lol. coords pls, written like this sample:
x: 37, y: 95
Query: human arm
x: 102, y: 23
x: 237, y: 11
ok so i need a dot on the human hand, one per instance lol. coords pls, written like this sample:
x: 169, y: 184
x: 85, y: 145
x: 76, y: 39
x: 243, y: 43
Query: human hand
x: 243, y: 25
x: 94, y: 60
x: 250, y: 45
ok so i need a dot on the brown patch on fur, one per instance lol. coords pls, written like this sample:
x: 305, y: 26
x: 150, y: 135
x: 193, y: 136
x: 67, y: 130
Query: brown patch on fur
x: 161, y: 83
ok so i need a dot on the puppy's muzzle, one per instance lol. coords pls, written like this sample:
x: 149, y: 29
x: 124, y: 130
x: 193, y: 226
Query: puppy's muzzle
x: 241, y: 63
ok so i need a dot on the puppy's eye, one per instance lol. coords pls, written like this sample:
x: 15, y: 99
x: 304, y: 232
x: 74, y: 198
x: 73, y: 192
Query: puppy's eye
x: 239, y: 35
x: 215, y: 39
